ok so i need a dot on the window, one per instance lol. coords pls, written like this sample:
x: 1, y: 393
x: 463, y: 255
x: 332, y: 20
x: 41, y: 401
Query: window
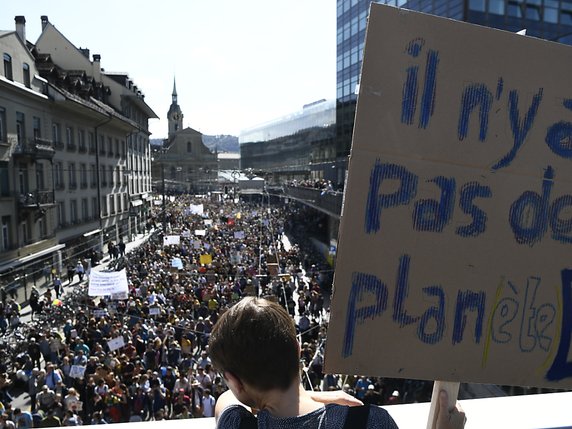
x: 84, y: 209
x: 101, y: 145
x: 37, y: 124
x: 72, y: 176
x: 189, y: 147
x: 56, y: 134
x: 104, y: 206
x: 69, y: 139
x: 496, y: 7
x: 103, y: 176
x: 117, y: 153
x: 73, y: 211
x: 477, y: 5
x: 25, y: 232
x: 94, y: 207
x: 40, y: 185
x: 23, y: 185
x: 93, y: 175
x: 59, y: 175
x: 42, y: 226
x: 3, y: 131
x: 6, y: 233
x: 112, y: 204
x: 83, y: 176
x: 109, y: 146
x: 20, y: 127
x: 91, y: 142
x: 61, y: 214
x: 8, y: 67
x: 111, y: 176
x: 26, y: 73
x: 81, y: 140
x: 4, y: 180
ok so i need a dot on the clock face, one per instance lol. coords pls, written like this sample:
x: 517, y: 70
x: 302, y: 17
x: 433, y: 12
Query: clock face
x: 176, y: 116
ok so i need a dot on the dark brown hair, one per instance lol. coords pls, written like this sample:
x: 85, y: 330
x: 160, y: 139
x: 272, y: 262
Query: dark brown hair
x: 256, y: 341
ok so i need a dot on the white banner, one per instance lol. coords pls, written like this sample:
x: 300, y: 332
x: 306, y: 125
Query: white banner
x: 197, y: 209
x: 177, y: 263
x: 208, y: 222
x: 120, y: 296
x: 106, y: 283
x: 77, y: 371
x: 239, y: 235
x: 200, y: 232
x: 115, y: 343
x: 171, y: 239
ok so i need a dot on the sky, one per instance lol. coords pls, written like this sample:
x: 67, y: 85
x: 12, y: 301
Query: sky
x: 237, y: 64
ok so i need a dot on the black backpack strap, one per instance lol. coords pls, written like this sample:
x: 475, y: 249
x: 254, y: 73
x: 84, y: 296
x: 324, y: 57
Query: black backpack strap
x: 248, y: 422
x: 357, y: 417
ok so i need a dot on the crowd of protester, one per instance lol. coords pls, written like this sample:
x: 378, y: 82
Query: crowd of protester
x: 163, y: 369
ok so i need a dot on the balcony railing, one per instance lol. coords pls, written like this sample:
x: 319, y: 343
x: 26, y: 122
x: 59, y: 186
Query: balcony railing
x: 326, y: 201
x: 36, y: 199
x: 36, y: 148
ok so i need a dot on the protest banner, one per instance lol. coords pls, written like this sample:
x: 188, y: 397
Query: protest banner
x: 99, y: 312
x: 208, y: 222
x: 200, y: 232
x: 454, y: 258
x: 153, y: 311
x: 119, y: 296
x: 115, y: 343
x: 171, y: 239
x: 177, y: 263
x: 239, y: 235
x: 102, y: 283
x: 197, y: 209
x: 206, y: 259
x: 186, y: 234
x: 77, y: 371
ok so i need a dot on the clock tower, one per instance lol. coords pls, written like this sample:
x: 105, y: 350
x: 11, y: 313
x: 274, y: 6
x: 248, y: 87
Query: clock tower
x: 175, y: 115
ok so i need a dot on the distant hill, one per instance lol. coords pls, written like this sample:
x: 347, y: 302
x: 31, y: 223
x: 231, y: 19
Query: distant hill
x: 223, y: 143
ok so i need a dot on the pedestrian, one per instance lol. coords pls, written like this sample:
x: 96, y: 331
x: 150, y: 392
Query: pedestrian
x: 57, y: 285
x: 80, y: 270
x: 121, y: 248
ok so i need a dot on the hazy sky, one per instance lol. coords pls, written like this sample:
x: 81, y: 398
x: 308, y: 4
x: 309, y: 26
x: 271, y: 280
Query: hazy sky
x: 237, y: 63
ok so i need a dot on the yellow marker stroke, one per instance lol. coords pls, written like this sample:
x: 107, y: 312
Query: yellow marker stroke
x: 490, y: 323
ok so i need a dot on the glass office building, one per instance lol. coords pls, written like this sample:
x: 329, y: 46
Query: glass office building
x: 547, y: 19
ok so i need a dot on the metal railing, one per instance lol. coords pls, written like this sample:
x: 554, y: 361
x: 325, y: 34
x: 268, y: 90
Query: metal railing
x: 36, y: 148
x: 329, y: 202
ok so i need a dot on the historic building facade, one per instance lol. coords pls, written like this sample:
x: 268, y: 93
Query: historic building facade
x: 183, y: 163
x: 74, y: 151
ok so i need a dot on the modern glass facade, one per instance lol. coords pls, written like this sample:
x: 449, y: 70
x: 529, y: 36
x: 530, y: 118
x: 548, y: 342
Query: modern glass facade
x: 290, y: 145
x: 547, y: 19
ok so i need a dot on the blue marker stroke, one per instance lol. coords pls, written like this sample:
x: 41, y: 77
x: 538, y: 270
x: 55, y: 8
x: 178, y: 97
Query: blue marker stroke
x: 561, y: 368
x: 470, y: 191
x: 519, y: 128
x: 376, y: 202
x: 362, y: 284
x: 475, y: 96
x: 431, y: 215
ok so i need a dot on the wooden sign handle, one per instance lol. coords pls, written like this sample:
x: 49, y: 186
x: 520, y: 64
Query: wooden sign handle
x: 452, y: 389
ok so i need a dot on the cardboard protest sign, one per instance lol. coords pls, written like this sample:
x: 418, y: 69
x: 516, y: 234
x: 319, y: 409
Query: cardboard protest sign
x: 239, y: 235
x: 77, y: 371
x: 455, y: 244
x: 115, y: 343
x: 103, y: 283
x: 206, y: 259
x: 200, y: 232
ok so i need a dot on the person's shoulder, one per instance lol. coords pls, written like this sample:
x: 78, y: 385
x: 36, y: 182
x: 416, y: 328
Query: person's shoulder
x: 378, y: 417
x: 232, y: 417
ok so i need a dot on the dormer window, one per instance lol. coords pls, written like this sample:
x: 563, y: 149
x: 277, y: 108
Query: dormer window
x: 26, y: 73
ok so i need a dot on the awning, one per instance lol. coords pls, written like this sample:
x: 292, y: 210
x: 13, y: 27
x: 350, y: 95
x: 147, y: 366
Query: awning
x: 136, y: 203
x: 24, y: 259
x: 90, y: 233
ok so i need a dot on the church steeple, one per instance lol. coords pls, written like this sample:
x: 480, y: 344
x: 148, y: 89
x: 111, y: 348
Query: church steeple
x: 174, y: 92
x: 174, y: 115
